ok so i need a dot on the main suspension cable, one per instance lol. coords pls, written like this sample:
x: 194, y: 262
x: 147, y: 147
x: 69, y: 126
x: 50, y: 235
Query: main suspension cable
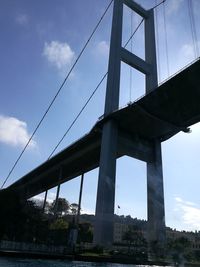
x: 57, y: 93
x: 96, y: 88
x: 89, y: 99
x: 87, y: 102
x: 157, y: 5
x: 128, y: 41
x: 76, y: 118
x: 78, y: 115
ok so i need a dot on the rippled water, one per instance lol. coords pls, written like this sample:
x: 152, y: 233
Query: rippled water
x: 12, y: 262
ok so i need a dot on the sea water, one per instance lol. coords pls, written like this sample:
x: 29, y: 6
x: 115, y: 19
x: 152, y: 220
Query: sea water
x: 16, y: 262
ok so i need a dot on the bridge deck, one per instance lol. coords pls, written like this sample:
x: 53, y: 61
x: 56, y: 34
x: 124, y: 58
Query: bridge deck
x: 169, y: 109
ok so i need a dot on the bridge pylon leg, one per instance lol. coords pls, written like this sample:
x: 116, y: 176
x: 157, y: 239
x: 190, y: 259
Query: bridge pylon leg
x: 156, y: 210
x: 103, y: 232
x: 155, y: 192
x: 104, y: 224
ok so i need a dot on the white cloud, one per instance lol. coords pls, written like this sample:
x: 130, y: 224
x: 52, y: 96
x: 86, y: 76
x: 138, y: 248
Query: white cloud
x: 184, y: 56
x: 39, y: 197
x: 173, y: 6
x: 50, y: 197
x: 190, y: 51
x: 22, y: 19
x: 58, y: 54
x: 14, y: 132
x: 189, y: 213
x: 86, y: 211
x: 187, y: 51
x: 103, y: 48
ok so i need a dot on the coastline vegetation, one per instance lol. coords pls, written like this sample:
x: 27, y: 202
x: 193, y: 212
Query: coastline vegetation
x: 27, y: 222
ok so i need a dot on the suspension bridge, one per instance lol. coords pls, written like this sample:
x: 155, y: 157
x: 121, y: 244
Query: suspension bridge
x: 136, y: 130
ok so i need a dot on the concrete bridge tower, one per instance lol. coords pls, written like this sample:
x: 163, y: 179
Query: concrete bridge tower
x: 103, y: 232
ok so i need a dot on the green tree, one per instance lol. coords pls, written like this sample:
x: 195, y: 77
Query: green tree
x: 74, y: 208
x: 21, y: 220
x: 10, y: 209
x: 85, y: 233
x: 59, y: 224
x: 40, y: 203
x: 58, y: 230
x: 60, y: 208
x: 134, y: 237
x: 178, y: 249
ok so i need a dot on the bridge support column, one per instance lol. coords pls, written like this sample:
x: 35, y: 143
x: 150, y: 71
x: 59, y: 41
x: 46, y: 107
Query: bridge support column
x: 58, y: 192
x: 104, y: 224
x: 103, y: 232
x: 155, y: 198
x: 45, y: 201
x: 79, y: 200
x: 155, y: 193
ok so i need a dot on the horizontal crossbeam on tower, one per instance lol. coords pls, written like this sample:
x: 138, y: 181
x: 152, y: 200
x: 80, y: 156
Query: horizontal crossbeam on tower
x: 135, y: 62
x: 136, y: 7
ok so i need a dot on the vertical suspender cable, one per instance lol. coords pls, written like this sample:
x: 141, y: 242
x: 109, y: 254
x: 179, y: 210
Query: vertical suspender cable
x: 193, y: 28
x: 80, y: 198
x: 166, y: 42
x: 157, y: 43
x: 45, y: 201
x: 130, y: 93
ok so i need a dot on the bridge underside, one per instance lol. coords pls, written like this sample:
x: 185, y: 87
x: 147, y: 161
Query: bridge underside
x: 162, y: 113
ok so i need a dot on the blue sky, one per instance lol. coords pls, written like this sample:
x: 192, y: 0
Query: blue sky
x: 40, y: 40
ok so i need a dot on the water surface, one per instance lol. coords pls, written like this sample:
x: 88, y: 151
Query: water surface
x: 15, y: 262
